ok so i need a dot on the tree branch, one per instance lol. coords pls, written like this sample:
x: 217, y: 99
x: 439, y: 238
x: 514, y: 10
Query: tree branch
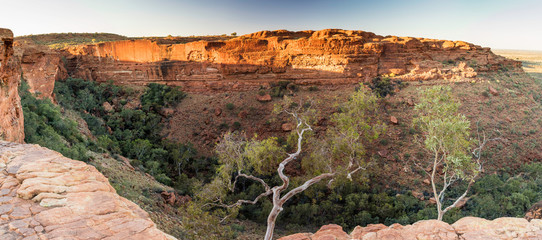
x: 306, y: 185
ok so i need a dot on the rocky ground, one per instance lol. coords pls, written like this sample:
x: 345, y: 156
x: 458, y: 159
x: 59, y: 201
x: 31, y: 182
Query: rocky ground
x: 468, y: 228
x: 44, y: 195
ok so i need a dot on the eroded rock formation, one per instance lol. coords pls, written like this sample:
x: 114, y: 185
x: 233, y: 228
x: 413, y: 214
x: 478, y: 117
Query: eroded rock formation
x: 11, y: 113
x: 317, y: 57
x: 41, y: 67
x: 467, y: 228
x: 44, y: 195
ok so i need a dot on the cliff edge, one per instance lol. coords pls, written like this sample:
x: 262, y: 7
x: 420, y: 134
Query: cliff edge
x: 11, y: 112
x: 44, y: 195
x: 325, y: 57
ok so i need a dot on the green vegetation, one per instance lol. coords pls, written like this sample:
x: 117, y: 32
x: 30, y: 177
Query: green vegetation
x: 447, y: 136
x: 136, y: 133
x: 337, y: 157
x: 230, y: 106
x: 384, y: 86
x: 45, y: 125
x: 281, y: 88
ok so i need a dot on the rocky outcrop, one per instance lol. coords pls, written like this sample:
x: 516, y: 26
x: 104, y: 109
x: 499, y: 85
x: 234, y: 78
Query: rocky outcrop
x: 467, y: 228
x: 41, y: 67
x: 11, y: 120
x: 535, y: 212
x: 307, y: 57
x: 44, y: 195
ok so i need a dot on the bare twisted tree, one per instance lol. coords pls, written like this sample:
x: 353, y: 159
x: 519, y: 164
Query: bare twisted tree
x: 340, y: 153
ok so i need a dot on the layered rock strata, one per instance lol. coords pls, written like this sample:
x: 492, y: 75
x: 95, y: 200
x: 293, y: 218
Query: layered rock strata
x: 11, y: 113
x: 307, y: 57
x: 44, y: 195
x: 467, y: 228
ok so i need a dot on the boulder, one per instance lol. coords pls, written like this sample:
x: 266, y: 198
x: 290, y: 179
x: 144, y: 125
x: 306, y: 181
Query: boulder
x: 107, y: 107
x: 359, y: 232
x: 493, y: 91
x: 286, y: 127
x: 393, y: 120
x: 535, y: 212
x: 264, y: 98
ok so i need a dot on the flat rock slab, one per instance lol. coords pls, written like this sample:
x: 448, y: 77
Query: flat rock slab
x: 44, y: 195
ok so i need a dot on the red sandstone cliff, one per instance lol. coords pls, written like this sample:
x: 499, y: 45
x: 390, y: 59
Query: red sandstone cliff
x: 308, y: 57
x: 11, y: 113
x: 41, y: 67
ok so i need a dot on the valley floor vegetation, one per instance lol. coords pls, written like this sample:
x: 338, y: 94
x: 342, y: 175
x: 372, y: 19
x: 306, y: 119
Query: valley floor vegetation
x: 121, y: 128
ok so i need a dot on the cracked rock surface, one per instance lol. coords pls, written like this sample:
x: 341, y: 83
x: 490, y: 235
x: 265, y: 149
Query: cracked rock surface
x: 44, y: 195
x: 467, y: 228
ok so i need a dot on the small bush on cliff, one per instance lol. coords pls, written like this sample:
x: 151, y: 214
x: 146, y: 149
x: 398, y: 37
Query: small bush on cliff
x: 382, y: 86
x: 280, y: 88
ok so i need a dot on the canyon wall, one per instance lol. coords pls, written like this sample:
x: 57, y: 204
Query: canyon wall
x: 44, y: 195
x: 307, y: 57
x: 41, y: 67
x: 11, y: 113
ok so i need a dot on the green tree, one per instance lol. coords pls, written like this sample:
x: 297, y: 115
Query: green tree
x: 447, y: 136
x: 341, y: 155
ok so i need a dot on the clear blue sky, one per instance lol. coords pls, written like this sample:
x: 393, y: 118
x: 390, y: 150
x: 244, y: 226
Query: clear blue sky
x: 509, y: 24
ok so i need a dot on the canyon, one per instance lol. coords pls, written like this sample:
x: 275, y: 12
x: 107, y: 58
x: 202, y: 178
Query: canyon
x: 39, y: 185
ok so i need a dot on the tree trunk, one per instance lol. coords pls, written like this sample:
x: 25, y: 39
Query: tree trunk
x: 271, y: 219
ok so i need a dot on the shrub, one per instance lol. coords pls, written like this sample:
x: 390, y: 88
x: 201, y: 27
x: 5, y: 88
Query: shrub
x: 382, y: 86
x: 158, y: 96
x: 230, y: 106
x: 45, y: 125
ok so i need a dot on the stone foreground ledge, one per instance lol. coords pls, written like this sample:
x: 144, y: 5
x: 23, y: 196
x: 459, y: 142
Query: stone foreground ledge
x: 467, y: 228
x: 44, y: 195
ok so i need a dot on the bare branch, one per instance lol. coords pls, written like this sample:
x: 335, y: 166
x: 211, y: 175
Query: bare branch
x: 242, y: 201
x: 306, y: 185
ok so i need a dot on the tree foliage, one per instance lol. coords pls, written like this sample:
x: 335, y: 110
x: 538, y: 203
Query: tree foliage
x: 45, y: 125
x: 339, y: 153
x: 447, y: 136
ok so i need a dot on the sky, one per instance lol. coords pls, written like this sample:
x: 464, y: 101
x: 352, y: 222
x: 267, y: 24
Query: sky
x: 499, y: 24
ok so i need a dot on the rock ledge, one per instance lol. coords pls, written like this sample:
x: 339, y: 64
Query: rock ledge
x: 44, y: 195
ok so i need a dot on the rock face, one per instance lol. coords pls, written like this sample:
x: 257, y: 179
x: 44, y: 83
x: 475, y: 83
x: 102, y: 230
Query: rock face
x: 44, y: 195
x: 41, y: 68
x: 535, y: 212
x: 329, y: 56
x: 468, y: 228
x: 11, y: 120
